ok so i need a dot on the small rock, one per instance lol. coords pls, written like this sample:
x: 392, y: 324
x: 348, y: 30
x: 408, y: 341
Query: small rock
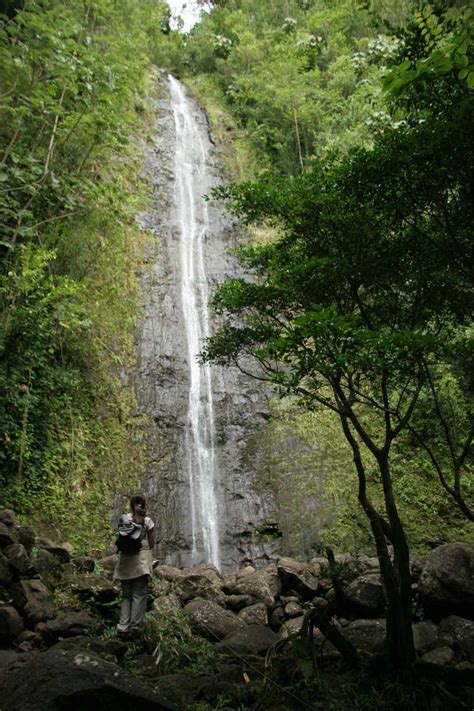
x: 440, y: 655
x: 17, y: 557
x: 276, y: 617
x: 11, y: 623
x: 254, y: 614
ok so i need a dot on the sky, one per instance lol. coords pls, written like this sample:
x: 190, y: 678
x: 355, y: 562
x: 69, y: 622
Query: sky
x: 188, y: 10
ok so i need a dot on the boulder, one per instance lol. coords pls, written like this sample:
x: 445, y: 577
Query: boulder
x: 260, y: 585
x: 11, y: 624
x: 7, y: 517
x: 193, y: 586
x: 34, y: 600
x: 17, y: 557
x: 298, y: 576
x: 365, y: 596
x: 441, y: 655
x: 62, y: 551
x: 65, y: 678
x: 252, y: 639
x: 168, y: 572
x: 47, y: 566
x: 459, y: 633
x: 238, y: 602
x: 26, y: 536
x: 277, y: 616
x: 6, y: 536
x: 293, y: 609
x: 5, y: 571
x: 108, y: 564
x: 425, y: 636
x: 210, y: 620
x: 166, y: 606
x: 367, y: 635
x: 70, y: 624
x: 290, y: 628
x: 84, y: 563
x: 254, y: 614
x: 93, y: 588
x: 447, y: 581
x: 207, y: 570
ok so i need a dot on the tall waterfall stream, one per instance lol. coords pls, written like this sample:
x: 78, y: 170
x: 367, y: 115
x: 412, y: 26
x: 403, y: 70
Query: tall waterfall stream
x: 193, y: 219
x: 201, y: 425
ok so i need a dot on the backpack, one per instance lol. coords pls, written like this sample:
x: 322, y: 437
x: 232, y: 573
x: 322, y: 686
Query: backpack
x: 130, y: 537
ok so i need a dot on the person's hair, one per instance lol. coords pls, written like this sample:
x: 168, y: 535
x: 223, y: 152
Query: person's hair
x: 137, y: 500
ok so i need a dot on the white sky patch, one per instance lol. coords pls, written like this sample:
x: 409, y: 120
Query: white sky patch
x: 189, y: 11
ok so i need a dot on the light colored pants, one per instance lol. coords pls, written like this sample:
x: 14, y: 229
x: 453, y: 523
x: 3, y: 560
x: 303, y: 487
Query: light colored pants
x: 133, y: 608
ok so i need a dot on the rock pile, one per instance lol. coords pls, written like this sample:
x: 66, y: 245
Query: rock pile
x: 51, y: 599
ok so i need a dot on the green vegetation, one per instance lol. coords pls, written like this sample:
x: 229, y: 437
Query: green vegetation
x: 72, y: 94
x: 362, y: 305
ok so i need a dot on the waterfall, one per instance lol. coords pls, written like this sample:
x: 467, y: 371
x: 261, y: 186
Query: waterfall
x: 193, y: 221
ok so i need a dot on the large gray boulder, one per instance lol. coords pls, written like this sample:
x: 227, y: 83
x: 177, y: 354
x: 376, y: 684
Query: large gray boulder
x: 259, y: 586
x: 365, y: 596
x: 194, y: 585
x: 210, y: 620
x: 5, y: 571
x: 6, y: 536
x: 254, y: 614
x: 26, y: 536
x: 367, y: 635
x: 298, y: 576
x: 11, y: 623
x: 70, y: 624
x: 425, y: 636
x: 166, y: 606
x: 17, y: 557
x: 252, y: 639
x: 93, y: 588
x: 73, y: 679
x: 458, y: 633
x: 48, y: 567
x: 447, y: 581
x: 33, y: 599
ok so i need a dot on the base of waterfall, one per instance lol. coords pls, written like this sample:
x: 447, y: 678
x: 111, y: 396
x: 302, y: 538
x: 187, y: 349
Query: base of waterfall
x: 212, y: 640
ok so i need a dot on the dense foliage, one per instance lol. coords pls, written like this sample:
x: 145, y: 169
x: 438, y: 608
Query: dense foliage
x: 362, y: 305
x: 71, y: 76
x: 300, y: 78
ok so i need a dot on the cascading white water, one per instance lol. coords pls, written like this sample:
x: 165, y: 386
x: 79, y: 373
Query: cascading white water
x: 193, y: 221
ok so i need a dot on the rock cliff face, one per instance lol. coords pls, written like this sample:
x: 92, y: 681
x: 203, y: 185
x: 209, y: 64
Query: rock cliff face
x: 162, y: 377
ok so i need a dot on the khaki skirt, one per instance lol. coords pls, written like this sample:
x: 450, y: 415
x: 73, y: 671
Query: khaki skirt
x: 134, y: 566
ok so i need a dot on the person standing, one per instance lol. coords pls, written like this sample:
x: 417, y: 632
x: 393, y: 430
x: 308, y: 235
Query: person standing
x: 134, y: 569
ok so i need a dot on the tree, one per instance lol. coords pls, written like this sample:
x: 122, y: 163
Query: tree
x: 363, y: 304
